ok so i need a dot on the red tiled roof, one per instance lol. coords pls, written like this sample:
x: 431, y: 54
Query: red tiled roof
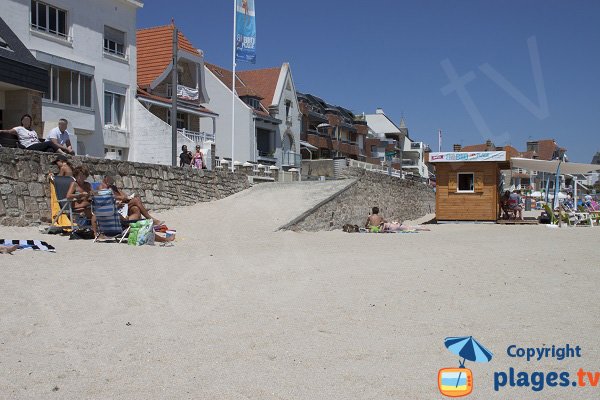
x: 475, y: 147
x: 143, y: 93
x: 263, y: 81
x: 155, y: 52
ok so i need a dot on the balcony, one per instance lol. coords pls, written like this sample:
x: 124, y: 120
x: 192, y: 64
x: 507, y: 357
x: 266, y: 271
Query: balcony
x: 184, y: 93
x: 267, y: 157
x: 197, y: 137
x: 291, y: 159
x: 115, y: 136
x: 416, y: 146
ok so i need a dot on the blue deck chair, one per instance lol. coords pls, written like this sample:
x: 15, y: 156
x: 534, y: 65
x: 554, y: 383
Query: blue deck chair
x: 60, y: 206
x: 108, y: 220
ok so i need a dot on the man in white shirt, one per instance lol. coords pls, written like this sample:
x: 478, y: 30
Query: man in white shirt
x: 60, y: 136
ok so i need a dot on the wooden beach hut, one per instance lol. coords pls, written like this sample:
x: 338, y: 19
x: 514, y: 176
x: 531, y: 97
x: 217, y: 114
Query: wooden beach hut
x: 468, y: 184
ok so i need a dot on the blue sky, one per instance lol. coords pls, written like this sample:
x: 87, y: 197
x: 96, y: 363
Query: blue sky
x: 384, y: 53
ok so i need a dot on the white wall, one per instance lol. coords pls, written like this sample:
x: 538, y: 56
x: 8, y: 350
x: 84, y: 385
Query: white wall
x: 283, y: 94
x: 86, y: 20
x: 151, y: 139
x: 220, y: 102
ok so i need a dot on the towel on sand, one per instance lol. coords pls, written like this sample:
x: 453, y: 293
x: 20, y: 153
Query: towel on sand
x: 28, y: 244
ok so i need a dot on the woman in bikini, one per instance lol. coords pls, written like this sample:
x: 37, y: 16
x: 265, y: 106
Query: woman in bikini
x: 80, y: 193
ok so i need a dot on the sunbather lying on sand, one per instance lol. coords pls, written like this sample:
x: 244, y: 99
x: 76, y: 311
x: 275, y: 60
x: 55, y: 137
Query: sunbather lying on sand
x: 396, y: 226
x: 8, y: 249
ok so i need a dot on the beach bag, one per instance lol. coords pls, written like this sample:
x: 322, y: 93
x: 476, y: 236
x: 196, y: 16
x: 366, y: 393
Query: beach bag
x: 140, y: 233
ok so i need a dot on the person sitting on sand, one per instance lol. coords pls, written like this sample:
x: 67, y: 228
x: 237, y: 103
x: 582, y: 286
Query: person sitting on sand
x: 135, y: 208
x: 375, y: 221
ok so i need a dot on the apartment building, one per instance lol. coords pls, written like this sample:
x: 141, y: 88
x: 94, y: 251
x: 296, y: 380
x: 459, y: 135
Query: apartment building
x: 88, y: 51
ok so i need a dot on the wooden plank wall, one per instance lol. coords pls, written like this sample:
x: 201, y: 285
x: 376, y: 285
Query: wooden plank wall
x: 482, y: 205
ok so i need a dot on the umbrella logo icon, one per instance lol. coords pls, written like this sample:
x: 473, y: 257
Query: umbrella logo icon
x: 458, y: 382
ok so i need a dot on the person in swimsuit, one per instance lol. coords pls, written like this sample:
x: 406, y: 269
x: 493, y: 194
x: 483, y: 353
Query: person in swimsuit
x: 375, y: 221
x: 135, y: 208
x: 80, y: 193
x: 64, y: 166
x: 8, y: 249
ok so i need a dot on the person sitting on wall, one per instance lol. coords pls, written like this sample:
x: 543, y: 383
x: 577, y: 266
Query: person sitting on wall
x: 375, y: 221
x: 60, y: 137
x: 514, y: 204
x: 130, y: 207
x: 185, y: 158
x: 28, y: 138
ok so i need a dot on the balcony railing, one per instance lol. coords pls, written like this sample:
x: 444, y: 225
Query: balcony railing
x: 197, y: 137
x: 289, y: 158
x: 184, y: 92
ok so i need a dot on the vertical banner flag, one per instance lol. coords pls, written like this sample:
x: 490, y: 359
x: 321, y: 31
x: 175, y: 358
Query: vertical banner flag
x: 245, y: 36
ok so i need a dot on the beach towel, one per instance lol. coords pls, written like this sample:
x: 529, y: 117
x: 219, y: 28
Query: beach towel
x: 28, y: 244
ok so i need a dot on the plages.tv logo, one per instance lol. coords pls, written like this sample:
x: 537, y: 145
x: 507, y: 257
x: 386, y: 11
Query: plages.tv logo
x: 458, y: 382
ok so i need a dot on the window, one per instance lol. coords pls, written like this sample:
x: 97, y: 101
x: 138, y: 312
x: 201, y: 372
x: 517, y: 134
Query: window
x: 466, y: 182
x: 113, y: 108
x: 288, y: 105
x: 69, y: 87
x: 252, y: 102
x: 181, y: 119
x: 49, y: 19
x: 114, y: 41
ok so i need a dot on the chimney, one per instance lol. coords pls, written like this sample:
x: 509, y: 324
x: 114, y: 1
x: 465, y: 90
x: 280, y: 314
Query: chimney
x: 379, y: 110
x: 489, y: 145
x: 457, y: 148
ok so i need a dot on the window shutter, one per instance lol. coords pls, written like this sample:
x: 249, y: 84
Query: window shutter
x: 452, y: 186
x: 478, y: 183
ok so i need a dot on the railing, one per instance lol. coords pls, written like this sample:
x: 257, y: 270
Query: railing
x: 197, y: 137
x: 289, y: 158
x: 184, y: 92
x: 267, y: 155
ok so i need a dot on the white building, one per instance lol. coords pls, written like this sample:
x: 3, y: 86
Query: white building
x: 413, y: 152
x: 88, y: 48
x: 152, y: 138
x: 267, y: 118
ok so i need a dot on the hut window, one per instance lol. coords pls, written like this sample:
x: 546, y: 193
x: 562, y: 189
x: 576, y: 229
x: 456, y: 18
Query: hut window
x: 466, y: 182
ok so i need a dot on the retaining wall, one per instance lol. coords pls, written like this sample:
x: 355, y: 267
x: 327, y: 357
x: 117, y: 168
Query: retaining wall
x: 397, y: 199
x: 25, y: 191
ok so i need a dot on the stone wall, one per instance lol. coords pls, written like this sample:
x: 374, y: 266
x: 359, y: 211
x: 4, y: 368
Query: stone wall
x: 397, y: 199
x: 25, y: 191
x: 316, y: 168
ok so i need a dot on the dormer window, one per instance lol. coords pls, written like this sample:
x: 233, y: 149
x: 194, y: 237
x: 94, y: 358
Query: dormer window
x: 252, y: 101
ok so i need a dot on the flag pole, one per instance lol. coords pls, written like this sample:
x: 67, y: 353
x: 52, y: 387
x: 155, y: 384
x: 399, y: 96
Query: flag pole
x: 439, y: 140
x: 174, y: 83
x: 233, y: 85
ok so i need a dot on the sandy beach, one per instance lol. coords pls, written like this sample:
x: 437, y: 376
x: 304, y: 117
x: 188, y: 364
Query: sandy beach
x: 238, y: 310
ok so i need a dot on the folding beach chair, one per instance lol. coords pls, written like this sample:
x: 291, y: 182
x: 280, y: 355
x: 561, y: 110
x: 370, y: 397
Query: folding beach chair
x: 60, y: 206
x: 108, y: 220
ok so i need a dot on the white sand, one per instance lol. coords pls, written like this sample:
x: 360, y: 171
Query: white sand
x: 237, y: 311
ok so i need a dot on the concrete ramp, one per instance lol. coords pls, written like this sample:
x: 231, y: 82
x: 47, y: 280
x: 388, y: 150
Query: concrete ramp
x: 264, y: 207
